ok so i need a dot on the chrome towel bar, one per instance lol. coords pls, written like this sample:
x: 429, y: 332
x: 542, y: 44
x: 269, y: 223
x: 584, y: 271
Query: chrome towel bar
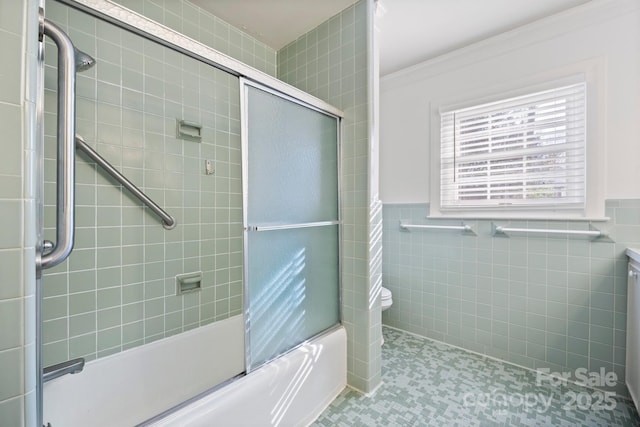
x: 463, y: 227
x: 594, y: 233
x: 168, y: 221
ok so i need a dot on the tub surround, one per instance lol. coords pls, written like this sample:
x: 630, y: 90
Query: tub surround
x: 118, y: 283
x: 130, y: 387
x: 18, y: 402
x: 133, y: 386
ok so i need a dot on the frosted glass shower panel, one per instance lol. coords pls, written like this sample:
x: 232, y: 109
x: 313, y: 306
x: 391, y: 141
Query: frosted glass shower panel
x: 290, y: 163
x: 293, y: 150
x: 293, y: 288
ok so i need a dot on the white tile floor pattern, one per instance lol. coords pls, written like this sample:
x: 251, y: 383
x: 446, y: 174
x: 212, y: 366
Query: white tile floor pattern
x: 426, y: 383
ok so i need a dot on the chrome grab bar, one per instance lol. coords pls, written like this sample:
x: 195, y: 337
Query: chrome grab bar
x: 463, y: 227
x: 66, y: 129
x: 69, y: 367
x: 500, y: 230
x: 594, y: 233
x: 168, y: 221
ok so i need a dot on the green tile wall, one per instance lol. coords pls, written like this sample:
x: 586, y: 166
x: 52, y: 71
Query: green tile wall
x: 117, y: 289
x: 540, y: 301
x: 202, y: 26
x: 18, y: 43
x: 331, y: 62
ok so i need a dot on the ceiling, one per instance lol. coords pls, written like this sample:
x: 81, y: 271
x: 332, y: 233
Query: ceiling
x: 411, y: 31
x: 274, y: 22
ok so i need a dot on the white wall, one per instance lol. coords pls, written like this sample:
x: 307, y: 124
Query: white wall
x: 600, y: 39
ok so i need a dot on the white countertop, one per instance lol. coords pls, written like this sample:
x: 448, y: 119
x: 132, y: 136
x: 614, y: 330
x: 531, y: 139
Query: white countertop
x: 634, y: 254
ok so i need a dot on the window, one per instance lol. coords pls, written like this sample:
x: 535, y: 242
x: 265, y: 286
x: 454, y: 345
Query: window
x: 525, y: 152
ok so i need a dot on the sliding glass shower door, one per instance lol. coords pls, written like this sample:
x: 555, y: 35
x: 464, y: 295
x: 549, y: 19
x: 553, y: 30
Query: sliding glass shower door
x: 158, y: 117
x: 291, y: 218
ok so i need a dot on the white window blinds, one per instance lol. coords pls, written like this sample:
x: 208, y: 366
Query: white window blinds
x: 527, y: 151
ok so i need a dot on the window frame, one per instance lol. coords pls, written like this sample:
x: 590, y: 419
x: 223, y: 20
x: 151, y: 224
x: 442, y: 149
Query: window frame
x: 591, y: 73
x: 503, y: 149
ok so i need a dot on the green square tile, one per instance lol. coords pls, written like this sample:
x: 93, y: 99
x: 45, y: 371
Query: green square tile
x: 55, y: 285
x: 109, y: 277
x: 12, y: 410
x: 132, y: 332
x: 55, y: 352
x: 11, y: 316
x: 11, y: 213
x: 153, y: 308
x: 10, y: 45
x: 109, y: 338
x: 11, y: 380
x: 599, y: 351
x: 132, y: 274
x: 82, y: 324
x: 132, y: 312
x: 109, y: 257
x: 82, y: 302
x: 54, y: 307
x: 109, y: 318
x: 110, y: 297
x: 153, y: 327
x: 82, y: 281
x: 601, y: 335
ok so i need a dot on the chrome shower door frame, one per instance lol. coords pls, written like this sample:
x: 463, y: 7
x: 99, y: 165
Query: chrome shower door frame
x: 245, y: 83
x: 151, y: 30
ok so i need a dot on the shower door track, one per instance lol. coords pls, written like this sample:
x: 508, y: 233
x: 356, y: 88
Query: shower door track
x: 138, y: 24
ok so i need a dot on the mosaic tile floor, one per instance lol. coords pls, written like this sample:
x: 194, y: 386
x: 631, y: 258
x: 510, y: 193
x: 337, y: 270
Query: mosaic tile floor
x: 431, y: 384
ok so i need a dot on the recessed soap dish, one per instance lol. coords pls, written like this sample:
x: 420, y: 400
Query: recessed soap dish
x: 188, y: 282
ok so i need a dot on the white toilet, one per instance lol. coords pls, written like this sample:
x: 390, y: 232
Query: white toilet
x: 386, y: 301
x: 387, y: 298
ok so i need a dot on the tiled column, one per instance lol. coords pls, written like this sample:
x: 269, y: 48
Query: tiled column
x: 18, y: 28
x: 333, y: 62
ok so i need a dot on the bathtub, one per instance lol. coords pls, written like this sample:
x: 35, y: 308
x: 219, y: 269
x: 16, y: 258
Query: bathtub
x: 133, y: 386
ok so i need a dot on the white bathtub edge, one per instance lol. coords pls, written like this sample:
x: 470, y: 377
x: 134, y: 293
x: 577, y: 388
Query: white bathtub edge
x: 134, y: 385
x: 322, y: 406
x: 292, y: 390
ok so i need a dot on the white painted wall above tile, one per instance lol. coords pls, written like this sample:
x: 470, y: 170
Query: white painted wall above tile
x: 601, y: 38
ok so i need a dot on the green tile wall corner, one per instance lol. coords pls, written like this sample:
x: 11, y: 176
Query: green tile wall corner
x: 202, y: 26
x: 117, y: 290
x: 18, y: 28
x: 556, y: 302
x: 331, y: 62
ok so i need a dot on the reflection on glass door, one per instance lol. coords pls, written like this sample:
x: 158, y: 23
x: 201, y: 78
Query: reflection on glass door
x: 291, y: 222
